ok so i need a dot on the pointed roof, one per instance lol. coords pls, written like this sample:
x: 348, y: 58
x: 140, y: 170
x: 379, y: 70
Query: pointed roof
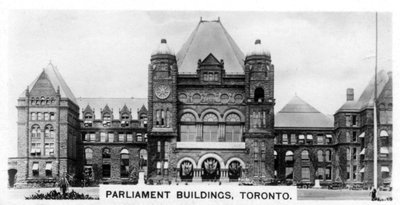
x: 56, y: 80
x: 88, y: 109
x: 210, y: 37
x: 107, y: 109
x: 143, y: 108
x: 210, y: 60
x: 298, y: 113
x: 125, y: 109
x: 366, y: 99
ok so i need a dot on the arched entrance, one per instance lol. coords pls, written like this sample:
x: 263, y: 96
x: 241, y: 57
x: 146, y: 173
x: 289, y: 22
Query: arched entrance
x: 210, y: 170
x: 234, y: 171
x: 11, y: 177
x: 186, y: 171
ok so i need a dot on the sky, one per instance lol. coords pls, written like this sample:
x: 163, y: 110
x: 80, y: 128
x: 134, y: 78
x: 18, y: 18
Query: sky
x: 316, y: 55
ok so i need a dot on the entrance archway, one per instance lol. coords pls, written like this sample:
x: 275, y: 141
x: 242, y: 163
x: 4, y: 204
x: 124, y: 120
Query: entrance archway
x: 186, y: 171
x: 234, y: 170
x: 210, y: 169
x: 11, y: 177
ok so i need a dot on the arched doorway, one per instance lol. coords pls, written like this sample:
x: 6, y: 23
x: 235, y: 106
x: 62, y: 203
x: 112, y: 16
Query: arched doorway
x: 234, y: 171
x: 259, y: 95
x: 186, y: 171
x: 11, y: 177
x: 210, y: 170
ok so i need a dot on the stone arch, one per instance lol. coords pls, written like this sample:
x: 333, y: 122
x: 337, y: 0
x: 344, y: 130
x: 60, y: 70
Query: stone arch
x: 236, y: 159
x: 211, y: 155
x: 191, y: 112
x: 186, y: 159
x: 242, y: 117
x: 211, y: 111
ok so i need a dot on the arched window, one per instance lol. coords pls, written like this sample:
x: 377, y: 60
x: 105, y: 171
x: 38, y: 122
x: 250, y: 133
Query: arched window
x: 328, y: 155
x: 305, y: 155
x: 42, y: 100
x: 384, y: 133
x: 233, y: 130
x: 125, y: 117
x: 88, y: 154
x: 210, y: 131
x: 106, y: 153
x: 259, y: 95
x: 143, y: 159
x: 35, y: 131
x: 187, y: 128
x: 188, y: 117
x: 124, y: 163
x: 289, y: 157
x: 320, y: 155
x: 49, y: 131
x: 47, y: 100
x: 210, y: 117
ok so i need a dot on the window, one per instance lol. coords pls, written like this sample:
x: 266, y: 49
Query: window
x: 39, y: 116
x: 33, y: 116
x: 348, y: 154
x: 210, y: 133
x: 110, y: 137
x: 88, y: 154
x: 233, y: 133
x: 348, y: 120
x: 35, y: 169
x: 320, y: 139
x: 354, y: 136
x: 106, y: 170
x: 305, y: 173
x: 348, y: 172
x: 49, y: 149
x: 121, y: 137
x: 289, y: 157
x: 188, y: 133
x: 320, y: 156
x: 52, y: 116
x: 35, y: 131
x: 305, y: 156
x: 354, y: 120
x: 166, y: 151
x: 258, y: 95
x: 92, y: 137
x: 125, y: 117
x: 103, y: 137
x: 354, y: 172
x: 301, y: 139
x: 328, y: 173
x: 46, y: 116
x: 49, y: 168
x: 124, y: 171
x: 158, y: 166
x: 320, y: 173
x: 139, y: 137
x: 106, y: 117
x: 289, y: 173
x: 285, y: 139
x: 328, y: 155
x: 293, y: 139
x: 328, y: 139
x: 106, y: 153
x: 88, y: 117
x: 159, y: 146
x: 348, y: 139
x: 210, y: 117
x: 129, y: 137
x: 36, y: 149
x: 49, y: 131
x: 309, y: 139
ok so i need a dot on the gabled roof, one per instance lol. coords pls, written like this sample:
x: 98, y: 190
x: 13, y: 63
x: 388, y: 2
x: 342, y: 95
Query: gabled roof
x: 210, y: 37
x: 115, y: 104
x: 125, y: 109
x: 56, y: 81
x: 298, y: 113
x: 366, y: 99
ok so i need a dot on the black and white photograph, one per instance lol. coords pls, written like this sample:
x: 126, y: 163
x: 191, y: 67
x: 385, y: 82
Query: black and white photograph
x: 205, y: 105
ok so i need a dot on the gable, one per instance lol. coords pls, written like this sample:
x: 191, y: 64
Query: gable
x: 43, y: 86
x: 210, y: 60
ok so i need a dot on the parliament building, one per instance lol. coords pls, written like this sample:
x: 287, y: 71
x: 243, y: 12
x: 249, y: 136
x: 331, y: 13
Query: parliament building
x: 209, y: 116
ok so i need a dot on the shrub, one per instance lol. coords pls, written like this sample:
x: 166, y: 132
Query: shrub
x: 58, y: 195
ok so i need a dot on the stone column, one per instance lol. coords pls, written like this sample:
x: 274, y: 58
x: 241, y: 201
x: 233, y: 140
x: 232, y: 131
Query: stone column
x: 197, y: 175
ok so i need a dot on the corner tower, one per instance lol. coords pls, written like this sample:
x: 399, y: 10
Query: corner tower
x: 162, y: 99
x: 259, y: 91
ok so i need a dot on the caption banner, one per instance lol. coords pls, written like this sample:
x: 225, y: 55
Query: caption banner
x: 200, y: 193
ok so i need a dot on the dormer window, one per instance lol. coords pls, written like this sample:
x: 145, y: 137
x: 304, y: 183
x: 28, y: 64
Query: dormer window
x: 210, y: 76
x: 125, y: 120
x: 88, y: 120
x: 106, y: 120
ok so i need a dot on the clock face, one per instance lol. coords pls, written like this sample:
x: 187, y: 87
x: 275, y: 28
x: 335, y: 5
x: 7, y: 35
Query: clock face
x: 162, y: 91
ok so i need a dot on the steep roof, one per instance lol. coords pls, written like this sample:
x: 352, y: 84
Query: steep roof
x: 298, y: 113
x: 56, y: 81
x: 115, y: 104
x: 366, y: 99
x: 210, y: 37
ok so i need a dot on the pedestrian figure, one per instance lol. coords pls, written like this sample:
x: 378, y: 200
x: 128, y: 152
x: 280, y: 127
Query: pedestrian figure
x: 373, y: 194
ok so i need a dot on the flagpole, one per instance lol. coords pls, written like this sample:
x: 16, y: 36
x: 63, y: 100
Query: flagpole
x: 375, y: 107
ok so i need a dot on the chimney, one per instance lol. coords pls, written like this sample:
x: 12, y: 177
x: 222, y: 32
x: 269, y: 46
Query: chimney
x: 350, y: 94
